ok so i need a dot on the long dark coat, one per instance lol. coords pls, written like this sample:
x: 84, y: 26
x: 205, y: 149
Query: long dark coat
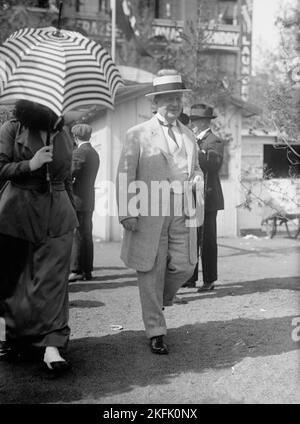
x: 210, y: 162
x: 27, y: 209
x: 36, y: 231
x: 85, y: 165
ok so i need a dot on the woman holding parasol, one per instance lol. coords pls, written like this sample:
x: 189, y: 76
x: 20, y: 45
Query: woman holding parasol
x: 37, y: 220
x: 52, y: 71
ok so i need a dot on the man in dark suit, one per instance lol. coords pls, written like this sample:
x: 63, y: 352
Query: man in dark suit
x: 210, y: 156
x: 85, y: 165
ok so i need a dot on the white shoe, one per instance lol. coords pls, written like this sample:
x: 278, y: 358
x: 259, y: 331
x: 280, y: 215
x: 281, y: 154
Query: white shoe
x: 52, y: 355
x: 54, y: 363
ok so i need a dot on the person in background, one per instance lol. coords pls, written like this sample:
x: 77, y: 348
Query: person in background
x: 85, y: 165
x: 210, y: 156
x: 184, y: 118
x: 37, y: 220
x: 160, y: 246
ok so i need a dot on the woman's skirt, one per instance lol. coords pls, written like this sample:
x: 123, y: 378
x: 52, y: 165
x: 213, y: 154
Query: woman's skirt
x: 37, y: 312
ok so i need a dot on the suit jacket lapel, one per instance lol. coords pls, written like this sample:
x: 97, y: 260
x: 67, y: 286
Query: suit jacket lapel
x: 206, y: 134
x: 158, y: 139
x: 189, y: 146
x: 157, y: 136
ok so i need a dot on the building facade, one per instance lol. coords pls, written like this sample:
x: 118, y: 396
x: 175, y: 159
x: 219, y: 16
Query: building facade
x: 269, y: 181
x: 226, y: 27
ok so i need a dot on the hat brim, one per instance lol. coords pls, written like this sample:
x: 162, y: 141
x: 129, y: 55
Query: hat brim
x: 168, y: 91
x: 200, y: 117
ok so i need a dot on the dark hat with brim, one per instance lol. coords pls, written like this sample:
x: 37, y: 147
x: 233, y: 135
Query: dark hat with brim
x: 202, y: 110
x: 163, y: 84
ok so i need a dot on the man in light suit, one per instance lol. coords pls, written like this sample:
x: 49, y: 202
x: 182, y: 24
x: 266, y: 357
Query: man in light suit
x: 85, y: 165
x: 160, y: 238
x: 210, y: 156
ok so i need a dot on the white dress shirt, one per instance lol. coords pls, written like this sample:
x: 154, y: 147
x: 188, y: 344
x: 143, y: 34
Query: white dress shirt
x: 176, y: 131
x: 82, y: 142
x: 202, y: 134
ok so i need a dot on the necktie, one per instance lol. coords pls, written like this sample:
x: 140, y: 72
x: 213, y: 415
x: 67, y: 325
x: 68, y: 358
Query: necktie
x: 170, y: 132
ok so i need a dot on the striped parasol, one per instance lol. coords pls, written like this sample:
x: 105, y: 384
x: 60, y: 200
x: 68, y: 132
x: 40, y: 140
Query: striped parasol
x: 60, y: 69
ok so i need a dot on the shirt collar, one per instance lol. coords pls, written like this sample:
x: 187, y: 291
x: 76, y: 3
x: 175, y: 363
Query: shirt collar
x: 164, y: 121
x: 82, y: 142
x: 202, y: 134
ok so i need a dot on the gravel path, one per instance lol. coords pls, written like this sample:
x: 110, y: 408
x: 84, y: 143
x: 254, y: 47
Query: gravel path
x: 233, y: 345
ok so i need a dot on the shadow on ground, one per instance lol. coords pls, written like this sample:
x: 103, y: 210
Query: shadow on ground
x: 90, y: 286
x: 257, y: 250
x: 108, y: 268
x: 222, y: 290
x: 114, y: 276
x: 246, y: 287
x: 115, y: 364
x: 85, y: 304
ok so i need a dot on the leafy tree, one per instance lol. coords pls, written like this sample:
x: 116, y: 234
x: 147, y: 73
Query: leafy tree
x: 199, y: 66
x: 276, y: 88
x: 14, y: 14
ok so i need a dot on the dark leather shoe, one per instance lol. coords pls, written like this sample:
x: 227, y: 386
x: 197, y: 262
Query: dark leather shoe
x: 189, y: 284
x: 10, y: 353
x: 74, y: 276
x: 87, y: 276
x: 4, y: 347
x: 206, y: 287
x: 158, y: 346
x: 6, y: 352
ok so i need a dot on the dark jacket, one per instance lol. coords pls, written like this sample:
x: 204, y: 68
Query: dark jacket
x: 210, y: 162
x: 85, y: 165
x: 28, y: 210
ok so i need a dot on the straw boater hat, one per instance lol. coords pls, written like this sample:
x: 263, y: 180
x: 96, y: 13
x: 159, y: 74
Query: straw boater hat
x: 202, y: 110
x: 167, y: 81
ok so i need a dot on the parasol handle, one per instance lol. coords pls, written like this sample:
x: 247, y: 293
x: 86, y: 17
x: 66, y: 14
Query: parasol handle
x: 47, y: 164
x: 59, y: 18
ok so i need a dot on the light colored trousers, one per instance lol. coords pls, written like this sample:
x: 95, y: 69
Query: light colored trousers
x: 171, y: 269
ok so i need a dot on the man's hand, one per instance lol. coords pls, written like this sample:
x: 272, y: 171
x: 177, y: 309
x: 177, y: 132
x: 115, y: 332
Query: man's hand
x: 130, y: 224
x: 42, y: 156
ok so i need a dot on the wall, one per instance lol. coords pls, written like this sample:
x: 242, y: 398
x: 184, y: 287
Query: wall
x: 282, y: 192
x: 227, y: 219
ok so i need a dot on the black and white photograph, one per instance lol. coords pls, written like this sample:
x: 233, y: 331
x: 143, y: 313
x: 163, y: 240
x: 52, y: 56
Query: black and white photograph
x: 149, y: 206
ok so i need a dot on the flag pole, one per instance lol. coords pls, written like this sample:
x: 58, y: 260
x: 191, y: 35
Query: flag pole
x: 113, y: 29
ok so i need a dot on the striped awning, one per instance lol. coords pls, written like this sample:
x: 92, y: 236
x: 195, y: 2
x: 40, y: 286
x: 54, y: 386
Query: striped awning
x: 62, y: 70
